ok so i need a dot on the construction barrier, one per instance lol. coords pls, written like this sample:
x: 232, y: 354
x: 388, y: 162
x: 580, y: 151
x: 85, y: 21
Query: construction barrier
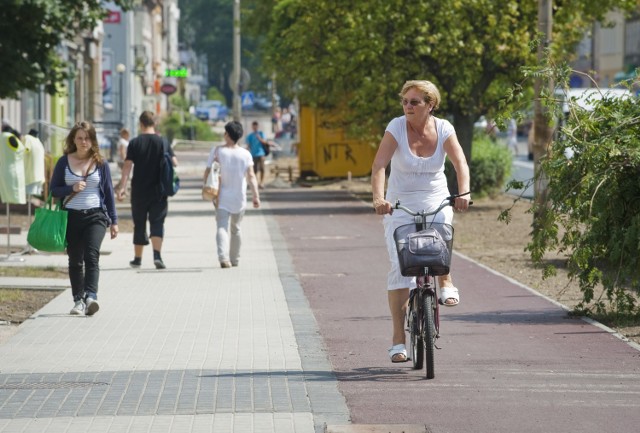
x: 326, y: 152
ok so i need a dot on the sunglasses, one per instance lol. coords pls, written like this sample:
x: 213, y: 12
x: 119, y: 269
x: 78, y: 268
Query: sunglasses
x: 413, y: 102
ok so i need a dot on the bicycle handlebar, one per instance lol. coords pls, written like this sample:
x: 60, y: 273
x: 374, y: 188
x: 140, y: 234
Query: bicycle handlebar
x: 449, y: 201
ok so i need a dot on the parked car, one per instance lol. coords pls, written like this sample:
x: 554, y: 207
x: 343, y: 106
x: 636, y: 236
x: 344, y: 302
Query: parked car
x: 264, y: 102
x: 212, y: 110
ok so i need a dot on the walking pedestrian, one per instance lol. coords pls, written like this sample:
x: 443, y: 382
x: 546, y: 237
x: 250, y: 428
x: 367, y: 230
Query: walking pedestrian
x: 123, y: 143
x: 235, y: 171
x: 416, y: 145
x: 256, y: 142
x: 82, y: 179
x: 144, y: 155
x: 286, y: 121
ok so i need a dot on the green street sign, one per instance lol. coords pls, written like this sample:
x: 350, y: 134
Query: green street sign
x: 178, y: 73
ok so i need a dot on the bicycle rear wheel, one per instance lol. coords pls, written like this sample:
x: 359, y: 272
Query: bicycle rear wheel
x: 430, y: 334
x: 416, y: 346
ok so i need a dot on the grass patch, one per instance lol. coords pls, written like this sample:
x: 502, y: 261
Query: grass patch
x: 618, y: 319
x: 17, y: 305
x: 33, y: 272
x: 10, y: 295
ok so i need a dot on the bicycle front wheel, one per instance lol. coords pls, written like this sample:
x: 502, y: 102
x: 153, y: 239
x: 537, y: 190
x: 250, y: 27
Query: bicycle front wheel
x: 430, y: 335
x: 416, y: 346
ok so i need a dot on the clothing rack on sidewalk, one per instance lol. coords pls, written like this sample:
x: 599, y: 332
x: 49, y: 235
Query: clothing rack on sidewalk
x: 28, y: 249
x: 10, y: 257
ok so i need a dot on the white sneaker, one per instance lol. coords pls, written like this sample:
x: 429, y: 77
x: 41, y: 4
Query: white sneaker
x: 92, y: 307
x: 77, y: 309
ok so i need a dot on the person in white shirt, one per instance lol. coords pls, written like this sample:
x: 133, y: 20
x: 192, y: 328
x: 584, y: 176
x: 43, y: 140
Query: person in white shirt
x: 416, y: 144
x: 123, y: 143
x: 236, y: 169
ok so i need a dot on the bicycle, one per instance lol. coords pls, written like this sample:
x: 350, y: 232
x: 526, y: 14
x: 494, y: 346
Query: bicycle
x: 424, y: 251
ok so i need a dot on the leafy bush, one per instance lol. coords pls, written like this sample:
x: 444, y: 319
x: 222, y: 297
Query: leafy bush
x: 178, y: 103
x: 490, y: 167
x: 187, y: 127
x: 592, y: 212
x: 216, y: 95
x: 170, y: 126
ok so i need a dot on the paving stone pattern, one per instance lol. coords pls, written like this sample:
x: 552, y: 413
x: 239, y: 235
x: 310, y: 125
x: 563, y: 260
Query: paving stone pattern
x: 171, y: 392
x: 192, y: 348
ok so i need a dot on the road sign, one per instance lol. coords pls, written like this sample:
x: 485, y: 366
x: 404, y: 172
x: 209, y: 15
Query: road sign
x: 247, y: 99
x: 169, y: 86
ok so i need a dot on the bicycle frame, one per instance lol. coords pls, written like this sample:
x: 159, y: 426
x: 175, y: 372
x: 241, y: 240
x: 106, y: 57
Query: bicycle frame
x: 423, y: 311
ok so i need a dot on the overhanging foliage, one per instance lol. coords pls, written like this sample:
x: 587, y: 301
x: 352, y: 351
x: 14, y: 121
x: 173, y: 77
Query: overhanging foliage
x: 355, y: 56
x: 593, y: 209
x: 31, y: 32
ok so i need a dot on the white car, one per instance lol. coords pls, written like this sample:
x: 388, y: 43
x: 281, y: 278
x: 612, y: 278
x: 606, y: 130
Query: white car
x: 212, y: 110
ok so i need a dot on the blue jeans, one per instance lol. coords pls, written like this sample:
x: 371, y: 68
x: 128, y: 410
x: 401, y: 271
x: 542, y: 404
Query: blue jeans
x: 228, y: 236
x: 85, y: 233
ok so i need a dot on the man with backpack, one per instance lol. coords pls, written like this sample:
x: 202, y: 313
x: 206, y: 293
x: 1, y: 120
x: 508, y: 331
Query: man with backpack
x: 146, y: 155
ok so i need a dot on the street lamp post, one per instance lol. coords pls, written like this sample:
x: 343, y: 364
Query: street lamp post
x: 120, y: 69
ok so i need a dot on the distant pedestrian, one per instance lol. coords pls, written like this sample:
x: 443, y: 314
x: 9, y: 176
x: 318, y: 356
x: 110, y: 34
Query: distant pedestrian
x: 144, y: 155
x: 276, y: 122
x: 256, y: 142
x: 123, y: 143
x: 235, y: 171
x: 286, y: 121
x: 82, y: 179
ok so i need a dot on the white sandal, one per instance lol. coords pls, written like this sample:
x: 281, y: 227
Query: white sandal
x: 398, y: 349
x: 448, y: 293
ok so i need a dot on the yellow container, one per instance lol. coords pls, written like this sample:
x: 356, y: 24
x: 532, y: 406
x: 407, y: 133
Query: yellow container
x: 327, y: 153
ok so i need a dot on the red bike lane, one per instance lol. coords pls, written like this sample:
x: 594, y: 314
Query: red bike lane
x: 509, y: 360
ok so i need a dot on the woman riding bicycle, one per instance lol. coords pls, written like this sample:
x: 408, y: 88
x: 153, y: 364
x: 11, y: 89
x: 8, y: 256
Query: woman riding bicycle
x: 416, y: 144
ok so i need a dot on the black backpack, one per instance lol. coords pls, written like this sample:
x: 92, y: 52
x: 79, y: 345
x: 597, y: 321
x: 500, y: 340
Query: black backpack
x: 169, y: 181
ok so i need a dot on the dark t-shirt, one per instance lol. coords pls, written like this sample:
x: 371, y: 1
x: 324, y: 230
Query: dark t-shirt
x: 146, y: 152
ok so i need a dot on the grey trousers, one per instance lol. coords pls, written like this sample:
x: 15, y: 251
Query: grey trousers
x: 228, y: 235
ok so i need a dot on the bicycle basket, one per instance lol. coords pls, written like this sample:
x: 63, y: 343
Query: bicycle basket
x: 419, y: 249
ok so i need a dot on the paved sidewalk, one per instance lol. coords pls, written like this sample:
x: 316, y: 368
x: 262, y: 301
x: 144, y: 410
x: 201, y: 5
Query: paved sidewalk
x: 193, y: 348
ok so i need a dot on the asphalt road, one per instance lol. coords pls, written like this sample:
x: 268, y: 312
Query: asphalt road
x: 510, y: 361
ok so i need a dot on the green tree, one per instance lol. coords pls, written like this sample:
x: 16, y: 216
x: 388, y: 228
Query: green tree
x: 207, y: 26
x: 353, y: 57
x: 31, y: 32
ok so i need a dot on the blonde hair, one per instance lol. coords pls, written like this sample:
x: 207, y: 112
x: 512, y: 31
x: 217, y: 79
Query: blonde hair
x: 429, y: 91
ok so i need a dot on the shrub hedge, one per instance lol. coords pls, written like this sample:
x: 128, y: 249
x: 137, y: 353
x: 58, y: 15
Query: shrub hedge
x: 490, y: 167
